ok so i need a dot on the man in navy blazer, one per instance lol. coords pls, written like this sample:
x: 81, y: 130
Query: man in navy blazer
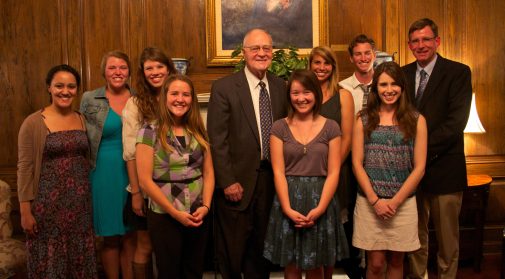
x: 244, y: 179
x: 445, y: 102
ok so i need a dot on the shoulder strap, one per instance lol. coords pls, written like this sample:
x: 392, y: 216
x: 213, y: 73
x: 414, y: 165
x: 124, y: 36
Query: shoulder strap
x: 81, y: 117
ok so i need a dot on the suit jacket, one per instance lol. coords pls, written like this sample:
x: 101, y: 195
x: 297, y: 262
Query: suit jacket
x: 446, y: 105
x: 233, y: 132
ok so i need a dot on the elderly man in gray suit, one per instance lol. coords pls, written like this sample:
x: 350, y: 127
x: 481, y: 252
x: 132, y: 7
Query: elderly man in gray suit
x: 241, y: 110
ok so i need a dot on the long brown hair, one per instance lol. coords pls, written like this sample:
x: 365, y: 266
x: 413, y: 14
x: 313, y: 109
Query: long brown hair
x: 327, y: 54
x: 146, y: 95
x: 192, y: 120
x: 405, y: 115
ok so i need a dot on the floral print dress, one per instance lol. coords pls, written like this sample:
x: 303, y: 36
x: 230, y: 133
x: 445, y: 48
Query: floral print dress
x: 64, y: 245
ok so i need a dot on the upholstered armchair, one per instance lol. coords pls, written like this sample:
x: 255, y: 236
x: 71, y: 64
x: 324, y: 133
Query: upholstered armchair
x: 12, y: 251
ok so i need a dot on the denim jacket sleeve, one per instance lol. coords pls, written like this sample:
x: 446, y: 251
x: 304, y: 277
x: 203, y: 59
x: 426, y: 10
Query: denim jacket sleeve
x: 94, y: 107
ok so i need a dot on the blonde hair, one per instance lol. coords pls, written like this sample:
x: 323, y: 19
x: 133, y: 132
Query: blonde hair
x: 192, y: 120
x: 117, y: 54
x: 327, y: 54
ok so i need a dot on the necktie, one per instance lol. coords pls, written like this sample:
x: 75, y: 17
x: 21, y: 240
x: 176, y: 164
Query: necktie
x: 265, y: 119
x: 366, y: 91
x: 422, y: 85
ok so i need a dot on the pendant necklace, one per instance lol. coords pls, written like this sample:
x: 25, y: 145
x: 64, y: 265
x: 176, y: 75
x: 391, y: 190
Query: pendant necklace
x: 306, y: 139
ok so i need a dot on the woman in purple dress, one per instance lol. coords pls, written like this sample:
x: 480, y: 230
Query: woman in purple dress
x: 53, y: 184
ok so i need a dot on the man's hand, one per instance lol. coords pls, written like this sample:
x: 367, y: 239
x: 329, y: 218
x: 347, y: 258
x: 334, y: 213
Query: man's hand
x: 234, y: 192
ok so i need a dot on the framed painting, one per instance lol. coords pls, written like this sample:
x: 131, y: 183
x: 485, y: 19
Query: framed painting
x: 298, y: 23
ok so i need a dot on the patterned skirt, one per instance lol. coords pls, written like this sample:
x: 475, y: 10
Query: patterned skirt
x: 307, y: 248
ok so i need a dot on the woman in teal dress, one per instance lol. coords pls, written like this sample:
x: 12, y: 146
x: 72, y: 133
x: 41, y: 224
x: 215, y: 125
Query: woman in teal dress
x: 109, y: 178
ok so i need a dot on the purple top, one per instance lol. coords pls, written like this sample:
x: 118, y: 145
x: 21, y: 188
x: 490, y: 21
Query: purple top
x: 315, y: 161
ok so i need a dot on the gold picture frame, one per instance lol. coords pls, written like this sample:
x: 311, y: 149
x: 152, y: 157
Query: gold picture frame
x: 217, y: 55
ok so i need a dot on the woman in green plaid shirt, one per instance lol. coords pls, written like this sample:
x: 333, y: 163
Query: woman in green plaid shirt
x: 175, y: 170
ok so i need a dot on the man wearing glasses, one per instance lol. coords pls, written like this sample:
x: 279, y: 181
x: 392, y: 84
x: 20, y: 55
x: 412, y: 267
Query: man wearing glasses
x: 441, y: 90
x: 241, y: 110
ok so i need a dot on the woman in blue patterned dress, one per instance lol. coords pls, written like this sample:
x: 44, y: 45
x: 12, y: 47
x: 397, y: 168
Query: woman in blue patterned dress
x: 175, y: 170
x: 389, y: 155
x: 53, y: 184
x: 304, y: 230
x: 102, y: 108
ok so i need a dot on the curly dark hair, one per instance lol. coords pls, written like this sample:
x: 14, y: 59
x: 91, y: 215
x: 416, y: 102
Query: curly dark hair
x: 63, y: 68
x: 360, y: 39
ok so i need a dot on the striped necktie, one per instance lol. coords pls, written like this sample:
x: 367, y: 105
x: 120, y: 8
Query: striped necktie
x: 422, y: 85
x: 366, y: 92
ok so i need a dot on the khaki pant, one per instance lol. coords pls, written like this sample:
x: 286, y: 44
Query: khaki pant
x: 444, y: 211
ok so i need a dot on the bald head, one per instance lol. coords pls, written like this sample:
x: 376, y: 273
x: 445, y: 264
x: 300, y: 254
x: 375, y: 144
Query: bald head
x: 254, y: 32
x: 257, y: 51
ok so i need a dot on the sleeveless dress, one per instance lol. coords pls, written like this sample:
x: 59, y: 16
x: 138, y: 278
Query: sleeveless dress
x: 346, y: 191
x: 323, y: 243
x: 109, y: 180
x: 65, y: 244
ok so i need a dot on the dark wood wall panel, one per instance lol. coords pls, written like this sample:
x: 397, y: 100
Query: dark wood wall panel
x: 31, y: 41
x: 484, y: 52
x: 348, y: 18
x: 103, y: 23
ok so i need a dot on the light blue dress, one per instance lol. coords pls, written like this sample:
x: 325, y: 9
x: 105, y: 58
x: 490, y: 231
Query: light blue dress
x: 109, y: 180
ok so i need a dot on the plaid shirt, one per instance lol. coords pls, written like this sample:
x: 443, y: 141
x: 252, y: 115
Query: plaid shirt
x: 178, y: 174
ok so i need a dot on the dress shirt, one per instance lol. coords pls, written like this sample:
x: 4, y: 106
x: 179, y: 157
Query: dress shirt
x: 428, y: 69
x: 352, y: 84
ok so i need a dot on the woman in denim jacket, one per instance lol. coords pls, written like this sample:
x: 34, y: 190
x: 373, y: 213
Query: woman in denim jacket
x: 102, y: 108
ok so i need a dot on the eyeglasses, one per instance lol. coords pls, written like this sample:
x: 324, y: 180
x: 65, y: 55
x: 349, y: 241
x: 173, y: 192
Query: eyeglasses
x: 256, y: 49
x: 425, y: 40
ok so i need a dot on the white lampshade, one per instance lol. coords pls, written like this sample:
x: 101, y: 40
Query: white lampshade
x: 473, y: 125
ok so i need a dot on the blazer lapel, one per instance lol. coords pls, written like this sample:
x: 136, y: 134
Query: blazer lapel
x: 410, y: 74
x: 274, y: 98
x: 244, y: 95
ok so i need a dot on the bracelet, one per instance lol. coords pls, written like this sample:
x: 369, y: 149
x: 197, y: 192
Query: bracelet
x: 134, y: 193
x: 208, y: 209
x: 376, y: 201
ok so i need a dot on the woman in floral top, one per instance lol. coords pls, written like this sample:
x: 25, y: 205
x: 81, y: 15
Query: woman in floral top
x: 388, y: 156
x: 175, y: 170
x: 53, y: 186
